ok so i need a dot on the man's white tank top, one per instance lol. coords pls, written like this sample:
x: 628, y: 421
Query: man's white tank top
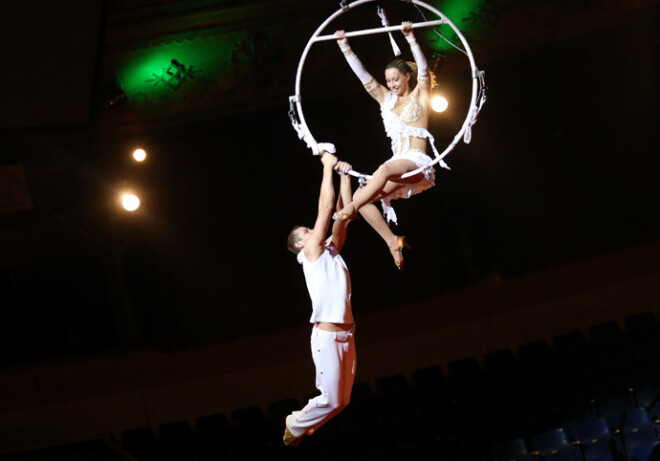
x: 329, y: 286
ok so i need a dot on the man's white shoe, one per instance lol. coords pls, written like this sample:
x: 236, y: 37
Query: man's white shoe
x: 289, y: 439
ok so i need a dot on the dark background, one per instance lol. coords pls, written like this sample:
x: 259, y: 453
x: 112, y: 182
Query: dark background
x: 562, y: 167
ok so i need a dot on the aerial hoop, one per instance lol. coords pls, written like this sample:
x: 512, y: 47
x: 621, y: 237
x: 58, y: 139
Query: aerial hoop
x: 478, y: 95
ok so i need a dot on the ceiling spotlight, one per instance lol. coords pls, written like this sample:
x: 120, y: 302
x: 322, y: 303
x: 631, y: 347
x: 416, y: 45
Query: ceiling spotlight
x: 139, y: 155
x: 115, y: 97
x: 439, y: 103
x: 130, y: 202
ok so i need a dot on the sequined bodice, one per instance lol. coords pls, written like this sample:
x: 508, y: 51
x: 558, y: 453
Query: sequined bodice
x: 396, y: 126
x: 411, y: 112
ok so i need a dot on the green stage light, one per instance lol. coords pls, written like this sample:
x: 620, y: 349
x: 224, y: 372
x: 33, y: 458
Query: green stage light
x: 178, y: 71
x: 472, y: 17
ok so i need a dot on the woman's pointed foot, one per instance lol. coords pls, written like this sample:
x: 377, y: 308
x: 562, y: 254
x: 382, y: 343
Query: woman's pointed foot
x: 396, y: 248
x: 348, y: 213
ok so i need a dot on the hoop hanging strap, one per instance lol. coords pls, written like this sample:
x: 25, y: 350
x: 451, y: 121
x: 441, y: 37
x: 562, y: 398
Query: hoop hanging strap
x: 386, y: 23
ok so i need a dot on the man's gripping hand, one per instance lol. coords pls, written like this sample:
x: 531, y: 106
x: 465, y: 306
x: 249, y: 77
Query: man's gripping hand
x: 329, y: 160
x: 343, y: 168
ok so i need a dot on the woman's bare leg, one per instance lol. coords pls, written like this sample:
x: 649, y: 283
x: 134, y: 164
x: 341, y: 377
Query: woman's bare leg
x: 375, y: 219
x: 387, y: 175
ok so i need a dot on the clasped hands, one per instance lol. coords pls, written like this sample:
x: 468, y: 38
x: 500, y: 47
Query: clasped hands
x: 333, y: 162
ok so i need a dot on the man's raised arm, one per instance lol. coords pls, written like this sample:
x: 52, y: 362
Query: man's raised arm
x: 313, y: 247
x: 340, y: 228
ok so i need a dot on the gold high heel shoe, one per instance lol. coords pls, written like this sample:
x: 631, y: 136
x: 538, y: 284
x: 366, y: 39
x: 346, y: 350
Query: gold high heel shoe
x: 343, y: 216
x: 397, y: 251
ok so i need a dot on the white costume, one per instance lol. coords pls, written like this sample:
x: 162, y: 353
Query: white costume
x: 400, y: 133
x: 329, y: 286
x: 397, y: 127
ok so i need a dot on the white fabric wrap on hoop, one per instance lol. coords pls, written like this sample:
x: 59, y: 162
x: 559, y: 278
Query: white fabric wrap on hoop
x: 322, y: 147
x: 467, y: 136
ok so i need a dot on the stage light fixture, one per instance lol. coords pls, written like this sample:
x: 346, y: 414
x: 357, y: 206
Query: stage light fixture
x: 439, y: 103
x: 115, y: 97
x: 139, y: 155
x: 130, y: 201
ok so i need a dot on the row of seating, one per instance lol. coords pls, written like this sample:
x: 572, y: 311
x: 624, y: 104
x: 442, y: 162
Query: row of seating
x: 532, y: 403
x: 619, y: 430
x: 407, y: 421
x: 608, y: 426
x: 438, y: 412
x: 460, y: 413
x: 555, y: 379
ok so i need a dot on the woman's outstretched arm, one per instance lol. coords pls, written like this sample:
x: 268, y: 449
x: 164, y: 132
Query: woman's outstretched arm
x: 372, y: 86
x: 416, y: 50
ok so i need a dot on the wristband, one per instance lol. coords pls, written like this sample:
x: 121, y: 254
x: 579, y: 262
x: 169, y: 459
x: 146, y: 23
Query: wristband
x: 411, y: 39
x: 345, y: 47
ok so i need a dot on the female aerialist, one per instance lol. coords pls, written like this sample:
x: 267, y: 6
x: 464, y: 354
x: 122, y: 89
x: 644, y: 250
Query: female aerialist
x: 405, y: 111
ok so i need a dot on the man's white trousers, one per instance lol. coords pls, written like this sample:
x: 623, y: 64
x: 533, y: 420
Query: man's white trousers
x: 334, y: 359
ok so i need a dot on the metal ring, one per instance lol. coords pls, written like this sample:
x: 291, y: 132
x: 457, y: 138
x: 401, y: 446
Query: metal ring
x: 301, y: 125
